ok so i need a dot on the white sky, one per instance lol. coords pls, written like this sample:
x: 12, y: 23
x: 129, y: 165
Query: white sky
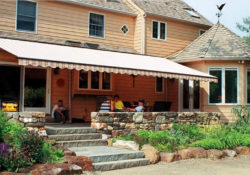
x: 233, y: 12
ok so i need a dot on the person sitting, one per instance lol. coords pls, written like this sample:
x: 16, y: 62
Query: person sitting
x: 139, y: 108
x: 118, y: 105
x: 106, y: 105
x: 59, y: 113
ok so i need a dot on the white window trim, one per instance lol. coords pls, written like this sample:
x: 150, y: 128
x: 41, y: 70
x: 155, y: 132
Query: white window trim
x: 100, y: 82
x: 202, y: 30
x: 247, y: 70
x: 104, y: 26
x: 223, y: 93
x: 163, y: 85
x: 26, y: 31
x: 159, y: 29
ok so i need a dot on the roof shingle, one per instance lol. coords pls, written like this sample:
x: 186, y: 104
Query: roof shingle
x: 117, y: 5
x: 218, y: 43
x: 174, y: 9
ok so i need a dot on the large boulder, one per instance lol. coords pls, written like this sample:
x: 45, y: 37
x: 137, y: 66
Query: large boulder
x: 193, y: 153
x: 229, y: 153
x: 151, y: 153
x: 214, y: 153
x: 242, y: 150
x: 131, y: 145
x: 84, y: 162
x: 169, y: 157
x: 198, y: 152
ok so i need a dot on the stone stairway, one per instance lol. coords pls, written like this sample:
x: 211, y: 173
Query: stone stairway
x: 85, y: 141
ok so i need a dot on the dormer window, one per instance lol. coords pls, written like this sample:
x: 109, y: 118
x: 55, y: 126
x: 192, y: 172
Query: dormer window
x: 191, y: 13
x: 26, y: 16
x: 124, y: 29
x: 96, y: 25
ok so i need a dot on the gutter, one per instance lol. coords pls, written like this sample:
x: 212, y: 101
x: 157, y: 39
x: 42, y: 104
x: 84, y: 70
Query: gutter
x: 97, y: 7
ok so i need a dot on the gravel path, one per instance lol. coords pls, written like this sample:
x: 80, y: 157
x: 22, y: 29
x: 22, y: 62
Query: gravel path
x: 229, y: 166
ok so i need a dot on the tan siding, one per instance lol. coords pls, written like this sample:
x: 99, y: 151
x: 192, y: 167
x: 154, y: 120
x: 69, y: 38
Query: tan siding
x: 179, y: 35
x: 70, y: 22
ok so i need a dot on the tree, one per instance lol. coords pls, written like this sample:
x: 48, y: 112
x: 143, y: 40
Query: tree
x: 245, y: 27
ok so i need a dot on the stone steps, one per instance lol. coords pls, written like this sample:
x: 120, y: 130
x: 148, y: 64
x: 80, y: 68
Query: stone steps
x: 121, y: 164
x: 70, y: 137
x: 83, y: 143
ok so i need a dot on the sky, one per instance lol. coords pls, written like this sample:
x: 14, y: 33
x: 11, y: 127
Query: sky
x: 233, y: 12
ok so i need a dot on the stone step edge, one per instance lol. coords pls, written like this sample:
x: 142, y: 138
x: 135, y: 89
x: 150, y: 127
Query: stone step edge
x: 73, y: 141
x: 114, y: 154
x: 118, y: 163
x: 83, y: 134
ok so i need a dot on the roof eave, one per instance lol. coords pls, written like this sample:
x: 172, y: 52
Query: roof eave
x: 213, y: 59
x: 180, y: 20
x: 98, y: 7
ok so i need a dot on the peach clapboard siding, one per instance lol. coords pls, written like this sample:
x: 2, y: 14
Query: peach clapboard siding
x: 70, y: 22
x: 6, y: 57
x: 179, y: 35
x: 225, y: 109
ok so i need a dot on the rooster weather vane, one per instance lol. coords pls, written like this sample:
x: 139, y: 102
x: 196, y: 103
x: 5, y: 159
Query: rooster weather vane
x: 219, y: 14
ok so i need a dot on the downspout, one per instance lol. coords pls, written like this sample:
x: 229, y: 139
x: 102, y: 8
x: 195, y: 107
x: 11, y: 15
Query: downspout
x: 144, y: 34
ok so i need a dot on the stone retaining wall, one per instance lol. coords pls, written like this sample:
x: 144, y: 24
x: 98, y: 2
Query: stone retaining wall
x: 28, y: 119
x: 114, y: 122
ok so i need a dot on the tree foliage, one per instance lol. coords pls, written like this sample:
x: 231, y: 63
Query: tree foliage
x: 245, y: 27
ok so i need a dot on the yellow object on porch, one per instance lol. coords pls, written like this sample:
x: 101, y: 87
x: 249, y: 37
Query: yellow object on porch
x: 10, y: 107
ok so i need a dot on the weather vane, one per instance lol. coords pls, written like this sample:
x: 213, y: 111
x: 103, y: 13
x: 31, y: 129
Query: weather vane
x: 219, y: 14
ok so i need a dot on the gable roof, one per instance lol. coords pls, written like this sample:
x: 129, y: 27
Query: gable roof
x: 174, y: 9
x: 111, y: 5
x: 218, y: 43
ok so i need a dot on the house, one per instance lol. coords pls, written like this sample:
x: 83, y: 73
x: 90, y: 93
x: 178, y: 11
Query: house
x: 81, y: 50
x: 225, y: 55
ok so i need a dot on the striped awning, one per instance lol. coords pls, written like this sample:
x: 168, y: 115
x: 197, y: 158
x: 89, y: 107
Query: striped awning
x: 65, y: 57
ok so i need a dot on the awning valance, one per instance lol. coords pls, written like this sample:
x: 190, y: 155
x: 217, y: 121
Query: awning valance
x: 52, y: 55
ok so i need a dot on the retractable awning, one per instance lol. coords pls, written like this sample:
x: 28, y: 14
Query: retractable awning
x: 52, y: 55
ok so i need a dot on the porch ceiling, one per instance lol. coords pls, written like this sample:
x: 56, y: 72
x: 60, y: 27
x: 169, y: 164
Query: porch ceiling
x: 51, y: 55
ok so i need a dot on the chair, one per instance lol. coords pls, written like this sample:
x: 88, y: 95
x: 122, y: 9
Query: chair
x: 161, y: 106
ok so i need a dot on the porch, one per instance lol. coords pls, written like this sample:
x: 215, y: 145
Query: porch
x: 83, y: 77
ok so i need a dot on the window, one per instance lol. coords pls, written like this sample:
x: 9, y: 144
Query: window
x: 186, y: 94
x: 191, y: 13
x: 202, y: 32
x: 124, y: 29
x: 96, y: 25
x: 94, y: 80
x: 248, y: 86
x: 196, y: 101
x: 159, y: 84
x: 226, y: 90
x: 159, y: 30
x: 26, y: 16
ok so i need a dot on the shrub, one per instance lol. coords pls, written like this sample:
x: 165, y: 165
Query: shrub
x: 209, y: 143
x: 242, y: 112
x: 3, y: 121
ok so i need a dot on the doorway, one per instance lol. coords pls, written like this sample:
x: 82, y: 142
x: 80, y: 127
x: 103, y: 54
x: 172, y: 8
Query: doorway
x: 189, y: 96
x: 36, y: 89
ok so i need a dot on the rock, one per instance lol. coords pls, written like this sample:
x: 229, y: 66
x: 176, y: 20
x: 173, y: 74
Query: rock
x: 38, y: 124
x: 98, y: 125
x: 160, y: 119
x: 229, y: 153
x: 84, y: 162
x: 185, y: 154
x: 110, y: 128
x: 214, y: 153
x: 69, y: 153
x: 57, y: 169
x: 131, y: 145
x: 151, y: 153
x: 242, y: 150
x: 130, y: 125
x: 115, y: 133
x: 169, y: 157
x: 138, y: 117
x: 28, y: 120
x: 198, y: 152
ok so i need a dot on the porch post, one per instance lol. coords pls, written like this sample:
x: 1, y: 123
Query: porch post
x: 70, y: 95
